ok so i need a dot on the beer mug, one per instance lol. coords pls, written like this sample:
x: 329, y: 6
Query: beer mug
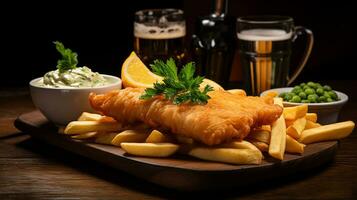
x: 265, y: 45
x: 159, y: 34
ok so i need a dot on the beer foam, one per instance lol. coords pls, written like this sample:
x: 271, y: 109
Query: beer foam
x: 264, y: 35
x: 155, y: 32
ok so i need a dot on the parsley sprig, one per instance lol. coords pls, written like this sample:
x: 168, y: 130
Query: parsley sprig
x: 69, y: 59
x: 179, y: 87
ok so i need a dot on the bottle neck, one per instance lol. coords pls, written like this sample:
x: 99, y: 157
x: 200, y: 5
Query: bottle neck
x: 219, y: 8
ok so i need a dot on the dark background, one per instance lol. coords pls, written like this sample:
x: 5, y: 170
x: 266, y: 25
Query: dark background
x: 101, y: 33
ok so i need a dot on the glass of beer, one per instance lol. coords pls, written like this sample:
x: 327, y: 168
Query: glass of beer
x: 265, y: 46
x: 160, y: 34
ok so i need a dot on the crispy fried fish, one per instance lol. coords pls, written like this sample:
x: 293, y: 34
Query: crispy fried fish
x: 223, y: 118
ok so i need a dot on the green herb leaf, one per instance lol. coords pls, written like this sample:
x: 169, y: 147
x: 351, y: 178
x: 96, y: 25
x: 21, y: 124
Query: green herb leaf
x: 179, y: 87
x: 207, y: 89
x: 149, y: 93
x: 69, y: 59
x: 187, y: 72
x: 166, y: 70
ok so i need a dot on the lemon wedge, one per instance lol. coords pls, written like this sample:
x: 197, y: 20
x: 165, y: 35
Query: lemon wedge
x: 135, y: 74
x: 213, y: 84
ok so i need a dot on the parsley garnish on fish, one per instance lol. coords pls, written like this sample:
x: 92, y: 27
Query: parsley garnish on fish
x: 179, y: 87
x: 69, y: 59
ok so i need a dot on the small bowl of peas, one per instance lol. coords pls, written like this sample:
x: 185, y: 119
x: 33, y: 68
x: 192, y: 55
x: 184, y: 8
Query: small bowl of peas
x: 321, y: 99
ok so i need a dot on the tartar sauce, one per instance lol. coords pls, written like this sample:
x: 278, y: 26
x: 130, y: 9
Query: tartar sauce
x: 73, y: 78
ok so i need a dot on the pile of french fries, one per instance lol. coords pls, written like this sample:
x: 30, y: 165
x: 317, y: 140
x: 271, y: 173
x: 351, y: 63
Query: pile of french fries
x: 289, y: 134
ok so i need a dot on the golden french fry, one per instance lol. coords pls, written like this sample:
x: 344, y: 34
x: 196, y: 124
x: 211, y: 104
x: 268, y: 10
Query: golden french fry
x: 226, y: 155
x: 239, y: 92
x: 78, y: 127
x: 243, y: 144
x: 260, y: 135
x: 311, y: 117
x: 184, y: 140
x: 263, y: 147
x: 158, y: 137
x: 278, y: 135
x: 289, y: 122
x: 136, y: 135
x: 105, y: 138
x: 85, y: 135
x: 86, y: 116
x: 327, y: 132
x: 263, y: 128
x: 150, y: 149
x: 239, y: 145
x: 296, y: 128
x: 293, y: 113
x: 310, y: 124
x: 293, y: 146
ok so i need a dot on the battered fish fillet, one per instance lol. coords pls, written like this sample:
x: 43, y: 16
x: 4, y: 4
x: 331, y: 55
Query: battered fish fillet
x: 223, y: 118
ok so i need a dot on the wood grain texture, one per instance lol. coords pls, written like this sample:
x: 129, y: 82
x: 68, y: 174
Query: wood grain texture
x: 31, y: 169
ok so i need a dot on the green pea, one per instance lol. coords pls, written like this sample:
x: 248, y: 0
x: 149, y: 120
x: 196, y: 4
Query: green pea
x: 322, y: 99
x: 311, y: 84
x: 296, y: 99
x: 329, y: 100
x: 310, y: 91
x: 305, y: 101
x: 302, y: 84
x: 282, y: 95
x: 320, y: 91
x: 297, y: 87
x: 318, y: 85
x: 333, y: 95
x: 297, y: 90
x: 302, y: 95
x: 327, y: 88
x: 288, y: 96
x: 305, y: 87
x: 327, y: 95
x: 312, y: 98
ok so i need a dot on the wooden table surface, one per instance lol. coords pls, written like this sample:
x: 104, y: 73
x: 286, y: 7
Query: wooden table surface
x: 30, y: 169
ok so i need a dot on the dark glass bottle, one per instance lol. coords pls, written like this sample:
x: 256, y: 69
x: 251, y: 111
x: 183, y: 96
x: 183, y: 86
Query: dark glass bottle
x: 214, y: 42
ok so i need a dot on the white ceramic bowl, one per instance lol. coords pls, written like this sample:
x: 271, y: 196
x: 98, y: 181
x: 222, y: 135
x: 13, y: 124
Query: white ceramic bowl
x: 62, y: 105
x: 326, y: 112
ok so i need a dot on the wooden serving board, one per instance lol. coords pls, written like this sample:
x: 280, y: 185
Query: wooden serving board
x: 179, y: 171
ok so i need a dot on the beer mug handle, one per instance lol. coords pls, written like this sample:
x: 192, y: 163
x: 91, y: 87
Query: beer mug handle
x: 299, y: 30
